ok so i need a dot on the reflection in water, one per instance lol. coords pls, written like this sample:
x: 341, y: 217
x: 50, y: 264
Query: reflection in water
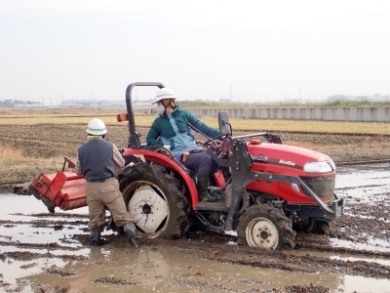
x: 147, y: 268
x: 166, y: 269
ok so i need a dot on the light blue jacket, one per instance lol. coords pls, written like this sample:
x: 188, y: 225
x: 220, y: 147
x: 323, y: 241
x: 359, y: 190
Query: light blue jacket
x: 174, y: 130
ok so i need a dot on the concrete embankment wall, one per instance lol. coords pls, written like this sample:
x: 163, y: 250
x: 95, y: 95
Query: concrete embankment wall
x: 327, y: 114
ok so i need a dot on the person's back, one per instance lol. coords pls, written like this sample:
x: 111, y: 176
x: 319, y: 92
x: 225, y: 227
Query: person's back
x: 96, y: 157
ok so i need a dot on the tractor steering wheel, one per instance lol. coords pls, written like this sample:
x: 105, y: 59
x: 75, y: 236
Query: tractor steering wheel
x: 209, y: 142
x: 213, y: 144
x: 222, y: 147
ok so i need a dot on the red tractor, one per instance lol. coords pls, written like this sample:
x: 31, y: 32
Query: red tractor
x: 266, y: 190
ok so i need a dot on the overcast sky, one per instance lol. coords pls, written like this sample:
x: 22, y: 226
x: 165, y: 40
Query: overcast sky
x: 200, y: 49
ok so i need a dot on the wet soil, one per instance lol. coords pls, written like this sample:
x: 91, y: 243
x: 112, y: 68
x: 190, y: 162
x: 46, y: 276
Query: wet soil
x: 43, y: 252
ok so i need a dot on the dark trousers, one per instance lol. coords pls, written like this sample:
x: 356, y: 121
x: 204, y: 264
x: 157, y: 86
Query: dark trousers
x: 202, y: 162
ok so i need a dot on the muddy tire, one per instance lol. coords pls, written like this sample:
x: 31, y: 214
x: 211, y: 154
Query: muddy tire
x: 155, y: 200
x: 266, y: 227
x: 312, y: 225
x: 322, y: 228
x: 306, y: 226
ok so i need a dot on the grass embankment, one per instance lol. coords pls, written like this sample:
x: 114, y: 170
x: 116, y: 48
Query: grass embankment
x: 237, y: 124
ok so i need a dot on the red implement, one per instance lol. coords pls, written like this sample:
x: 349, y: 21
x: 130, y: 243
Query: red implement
x: 65, y: 190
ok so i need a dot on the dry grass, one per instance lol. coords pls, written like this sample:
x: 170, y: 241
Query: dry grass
x: 10, y: 156
x: 18, y: 168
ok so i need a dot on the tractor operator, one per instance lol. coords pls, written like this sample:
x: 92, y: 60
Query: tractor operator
x: 100, y: 161
x: 172, y: 129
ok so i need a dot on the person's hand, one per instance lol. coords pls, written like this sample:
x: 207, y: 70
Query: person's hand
x: 131, y: 164
x: 71, y: 163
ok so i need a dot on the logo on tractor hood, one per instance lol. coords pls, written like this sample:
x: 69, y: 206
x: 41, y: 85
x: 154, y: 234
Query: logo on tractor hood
x: 287, y: 162
x: 260, y: 158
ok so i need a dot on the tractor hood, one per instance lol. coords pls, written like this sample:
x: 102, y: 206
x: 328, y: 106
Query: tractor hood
x: 290, y: 157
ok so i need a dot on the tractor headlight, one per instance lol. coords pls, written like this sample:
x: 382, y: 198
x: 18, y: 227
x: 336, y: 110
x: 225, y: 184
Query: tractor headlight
x: 319, y: 167
x: 332, y: 164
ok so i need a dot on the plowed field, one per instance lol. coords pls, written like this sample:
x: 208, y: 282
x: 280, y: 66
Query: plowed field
x: 24, y: 148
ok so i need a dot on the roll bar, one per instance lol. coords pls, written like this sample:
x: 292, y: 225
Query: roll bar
x: 134, y: 141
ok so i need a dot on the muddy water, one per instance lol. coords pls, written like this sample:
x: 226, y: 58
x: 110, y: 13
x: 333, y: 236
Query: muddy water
x: 40, y: 252
x: 364, y: 181
x: 366, y: 189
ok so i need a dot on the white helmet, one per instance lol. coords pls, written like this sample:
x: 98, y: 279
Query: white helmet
x: 96, y: 127
x: 163, y: 94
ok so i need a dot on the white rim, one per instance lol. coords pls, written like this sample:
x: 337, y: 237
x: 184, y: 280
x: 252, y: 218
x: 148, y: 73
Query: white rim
x: 150, y: 210
x: 261, y: 232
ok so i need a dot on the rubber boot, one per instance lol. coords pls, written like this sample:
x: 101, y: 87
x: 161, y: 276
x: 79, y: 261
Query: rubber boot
x: 95, y: 237
x: 131, y: 234
x: 204, y: 195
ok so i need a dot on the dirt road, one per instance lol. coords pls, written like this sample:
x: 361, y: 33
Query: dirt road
x: 41, y: 252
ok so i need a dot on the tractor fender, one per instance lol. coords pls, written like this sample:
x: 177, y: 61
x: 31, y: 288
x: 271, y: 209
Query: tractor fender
x: 169, y: 163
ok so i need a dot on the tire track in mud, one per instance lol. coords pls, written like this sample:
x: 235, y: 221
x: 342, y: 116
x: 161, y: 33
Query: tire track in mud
x: 287, y: 260
x: 208, y: 287
x: 50, y: 246
x: 29, y: 256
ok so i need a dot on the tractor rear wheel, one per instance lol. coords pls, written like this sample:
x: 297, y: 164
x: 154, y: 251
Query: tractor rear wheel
x: 156, y: 202
x: 266, y: 227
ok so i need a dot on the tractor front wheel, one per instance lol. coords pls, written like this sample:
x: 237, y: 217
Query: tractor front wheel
x: 266, y: 227
x: 322, y: 228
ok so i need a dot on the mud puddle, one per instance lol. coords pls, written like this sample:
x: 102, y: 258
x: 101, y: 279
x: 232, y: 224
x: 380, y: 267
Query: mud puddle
x: 41, y: 252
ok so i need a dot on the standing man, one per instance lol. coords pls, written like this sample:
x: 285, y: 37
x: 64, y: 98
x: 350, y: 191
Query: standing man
x: 172, y: 128
x: 100, y: 161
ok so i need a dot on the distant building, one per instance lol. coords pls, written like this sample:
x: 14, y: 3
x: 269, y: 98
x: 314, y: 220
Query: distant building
x: 19, y: 104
